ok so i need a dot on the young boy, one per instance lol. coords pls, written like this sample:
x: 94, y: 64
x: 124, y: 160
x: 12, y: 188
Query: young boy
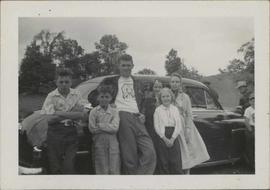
x: 250, y: 123
x: 104, y: 124
x: 65, y: 105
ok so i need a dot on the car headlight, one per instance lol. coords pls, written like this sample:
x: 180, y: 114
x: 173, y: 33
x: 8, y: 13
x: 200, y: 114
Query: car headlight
x: 20, y: 126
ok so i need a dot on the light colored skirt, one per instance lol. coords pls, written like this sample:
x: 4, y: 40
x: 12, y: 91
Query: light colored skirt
x: 194, y: 152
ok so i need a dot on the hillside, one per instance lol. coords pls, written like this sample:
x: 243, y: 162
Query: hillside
x: 224, y: 85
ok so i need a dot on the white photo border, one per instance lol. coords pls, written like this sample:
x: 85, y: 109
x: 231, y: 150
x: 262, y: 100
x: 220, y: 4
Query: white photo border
x: 11, y: 11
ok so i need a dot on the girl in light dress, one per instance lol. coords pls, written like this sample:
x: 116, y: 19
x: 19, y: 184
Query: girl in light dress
x: 196, y: 152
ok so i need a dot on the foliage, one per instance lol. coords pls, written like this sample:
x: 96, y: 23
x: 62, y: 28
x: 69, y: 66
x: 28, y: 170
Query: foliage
x: 92, y: 63
x: 243, y: 69
x: 191, y: 73
x: 57, y: 46
x: 46, y: 51
x: 175, y: 64
x: 109, y: 48
x: 146, y: 71
x: 36, y: 69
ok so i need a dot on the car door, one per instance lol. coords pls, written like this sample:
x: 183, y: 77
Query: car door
x: 207, y: 114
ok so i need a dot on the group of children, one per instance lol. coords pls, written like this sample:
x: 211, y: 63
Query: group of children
x: 65, y: 108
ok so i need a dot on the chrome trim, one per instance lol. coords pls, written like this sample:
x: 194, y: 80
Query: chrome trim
x: 83, y: 152
x: 29, y: 171
x: 239, y: 129
x: 215, y: 163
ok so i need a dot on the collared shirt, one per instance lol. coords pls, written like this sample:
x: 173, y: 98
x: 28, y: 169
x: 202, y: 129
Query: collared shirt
x: 250, y: 115
x: 167, y: 116
x: 101, y: 120
x: 244, y: 101
x: 125, y: 98
x: 57, y: 102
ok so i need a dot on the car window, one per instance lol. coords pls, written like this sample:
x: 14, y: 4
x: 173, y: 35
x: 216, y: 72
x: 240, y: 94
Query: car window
x: 200, y: 98
x: 197, y: 97
x: 210, y: 102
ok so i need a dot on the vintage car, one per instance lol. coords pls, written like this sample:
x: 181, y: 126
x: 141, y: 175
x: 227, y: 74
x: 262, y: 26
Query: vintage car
x: 221, y: 130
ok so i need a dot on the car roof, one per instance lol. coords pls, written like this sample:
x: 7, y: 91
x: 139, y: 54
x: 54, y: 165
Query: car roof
x: 186, y: 81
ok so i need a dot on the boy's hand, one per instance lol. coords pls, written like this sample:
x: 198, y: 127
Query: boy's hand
x: 166, y: 141
x: 142, y: 118
x: 113, y: 105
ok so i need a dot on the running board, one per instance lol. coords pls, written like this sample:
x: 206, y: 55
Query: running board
x: 215, y: 163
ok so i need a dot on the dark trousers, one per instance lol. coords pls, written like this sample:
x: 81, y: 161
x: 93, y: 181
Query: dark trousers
x: 169, y: 158
x: 137, y: 150
x: 250, y: 147
x: 62, y: 147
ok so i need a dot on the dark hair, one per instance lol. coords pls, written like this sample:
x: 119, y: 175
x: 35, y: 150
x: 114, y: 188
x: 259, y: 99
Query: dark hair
x: 103, y: 89
x: 125, y: 57
x: 177, y: 75
x: 152, y: 84
x: 63, y: 72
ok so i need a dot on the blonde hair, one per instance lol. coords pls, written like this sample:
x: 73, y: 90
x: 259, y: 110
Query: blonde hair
x: 166, y: 90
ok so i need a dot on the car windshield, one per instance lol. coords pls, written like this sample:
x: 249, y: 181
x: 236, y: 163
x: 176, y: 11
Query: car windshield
x: 86, y: 88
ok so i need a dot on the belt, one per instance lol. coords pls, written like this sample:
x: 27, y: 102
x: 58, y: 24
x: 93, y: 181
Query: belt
x: 66, y: 123
x: 136, y: 114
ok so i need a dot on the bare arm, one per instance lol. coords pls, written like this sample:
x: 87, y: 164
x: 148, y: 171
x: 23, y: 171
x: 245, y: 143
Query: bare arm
x: 247, y: 124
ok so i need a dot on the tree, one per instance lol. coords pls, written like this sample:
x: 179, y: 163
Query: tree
x: 173, y: 62
x: 146, y: 71
x: 243, y: 69
x: 92, y: 63
x: 36, y: 69
x: 109, y: 48
x: 46, y: 52
x: 176, y: 64
x: 191, y: 73
x: 57, y: 46
x: 242, y: 65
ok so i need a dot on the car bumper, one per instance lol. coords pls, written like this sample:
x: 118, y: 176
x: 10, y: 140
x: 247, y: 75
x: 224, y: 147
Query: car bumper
x: 29, y: 171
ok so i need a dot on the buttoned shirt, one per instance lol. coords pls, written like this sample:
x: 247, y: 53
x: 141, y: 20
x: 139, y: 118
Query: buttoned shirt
x: 57, y: 102
x: 250, y: 115
x: 101, y: 120
x: 167, y: 116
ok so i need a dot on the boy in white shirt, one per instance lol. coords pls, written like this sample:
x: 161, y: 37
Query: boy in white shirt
x: 137, y: 150
x: 250, y: 123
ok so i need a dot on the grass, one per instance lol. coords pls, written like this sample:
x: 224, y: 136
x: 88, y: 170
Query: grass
x: 30, y: 103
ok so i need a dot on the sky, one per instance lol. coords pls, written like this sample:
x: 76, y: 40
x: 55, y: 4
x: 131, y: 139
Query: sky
x: 206, y: 44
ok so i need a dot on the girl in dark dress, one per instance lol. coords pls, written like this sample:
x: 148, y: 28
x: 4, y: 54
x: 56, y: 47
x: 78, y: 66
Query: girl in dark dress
x: 150, y: 104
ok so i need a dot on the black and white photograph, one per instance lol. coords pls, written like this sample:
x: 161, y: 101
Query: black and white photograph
x: 165, y: 97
